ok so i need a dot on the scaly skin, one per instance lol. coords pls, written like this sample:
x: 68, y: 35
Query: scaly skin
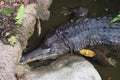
x: 78, y: 35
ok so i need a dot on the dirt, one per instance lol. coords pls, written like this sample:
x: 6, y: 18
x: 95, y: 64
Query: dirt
x: 7, y: 25
x: 8, y: 28
x: 7, y: 21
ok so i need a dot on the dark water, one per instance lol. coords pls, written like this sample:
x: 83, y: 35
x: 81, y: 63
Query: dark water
x: 109, y: 72
x: 96, y: 8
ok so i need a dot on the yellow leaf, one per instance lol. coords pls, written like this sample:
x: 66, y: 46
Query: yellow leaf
x: 87, y: 52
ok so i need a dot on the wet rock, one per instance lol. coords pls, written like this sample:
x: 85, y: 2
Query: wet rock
x: 66, y: 68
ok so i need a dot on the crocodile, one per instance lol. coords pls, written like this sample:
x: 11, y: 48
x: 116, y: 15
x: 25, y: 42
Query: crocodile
x: 77, y: 35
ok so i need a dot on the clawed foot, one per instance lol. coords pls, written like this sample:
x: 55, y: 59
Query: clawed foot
x: 112, y: 61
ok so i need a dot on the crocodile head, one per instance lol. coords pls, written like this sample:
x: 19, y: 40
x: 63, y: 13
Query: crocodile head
x: 42, y: 54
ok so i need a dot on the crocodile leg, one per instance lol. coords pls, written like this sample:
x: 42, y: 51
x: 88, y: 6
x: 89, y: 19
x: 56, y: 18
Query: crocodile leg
x: 102, y: 59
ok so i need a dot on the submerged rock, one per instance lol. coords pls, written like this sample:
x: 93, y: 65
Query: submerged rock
x: 66, y: 68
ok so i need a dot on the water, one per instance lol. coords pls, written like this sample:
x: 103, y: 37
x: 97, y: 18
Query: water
x: 109, y: 72
x: 96, y: 8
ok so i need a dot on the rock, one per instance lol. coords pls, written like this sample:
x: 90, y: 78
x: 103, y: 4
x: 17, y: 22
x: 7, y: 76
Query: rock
x: 66, y: 68
x: 28, y: 24
x: 42, y: 9
x: 10, y: 55
x: 39, y: 10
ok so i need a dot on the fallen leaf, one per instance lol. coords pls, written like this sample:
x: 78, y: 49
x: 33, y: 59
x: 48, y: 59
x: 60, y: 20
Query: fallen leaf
x: 87, y: 52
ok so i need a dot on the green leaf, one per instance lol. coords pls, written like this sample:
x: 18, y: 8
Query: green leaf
x: 7, y: 34
x: 115, y: 19
x: 6, y: 11
x: 20, y: 14
x: 118, y: 15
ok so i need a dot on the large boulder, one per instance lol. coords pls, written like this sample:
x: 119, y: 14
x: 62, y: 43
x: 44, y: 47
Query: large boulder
x: 66, y: 68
